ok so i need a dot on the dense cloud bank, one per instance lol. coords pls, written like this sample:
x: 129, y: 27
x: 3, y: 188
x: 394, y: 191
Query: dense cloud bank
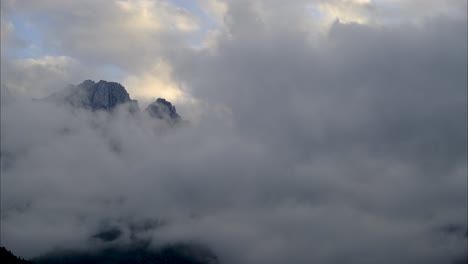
x: 347, y: 146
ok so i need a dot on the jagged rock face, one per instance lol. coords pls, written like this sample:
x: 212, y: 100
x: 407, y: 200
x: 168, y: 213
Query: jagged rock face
x: 96, y: 96
x: 106, y: 96
x: 162, y: 109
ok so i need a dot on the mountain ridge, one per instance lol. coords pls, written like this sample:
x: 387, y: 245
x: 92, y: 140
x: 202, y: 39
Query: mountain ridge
x: 108, y: 96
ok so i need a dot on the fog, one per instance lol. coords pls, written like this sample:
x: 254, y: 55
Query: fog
x: 340, y: 145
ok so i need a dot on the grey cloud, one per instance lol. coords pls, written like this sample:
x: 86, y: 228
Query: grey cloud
x: 347, y: 149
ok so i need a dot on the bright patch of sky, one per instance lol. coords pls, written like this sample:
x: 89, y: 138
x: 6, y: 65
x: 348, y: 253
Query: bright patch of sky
x: 32, y: 37
x: 207, y: 23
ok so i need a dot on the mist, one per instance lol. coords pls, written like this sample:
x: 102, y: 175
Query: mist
x: 344, y: 145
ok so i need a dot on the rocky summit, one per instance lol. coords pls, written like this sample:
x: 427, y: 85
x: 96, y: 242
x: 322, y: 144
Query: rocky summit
x: 94, y: 96
x: 106, y: 96
x: 162, y: 109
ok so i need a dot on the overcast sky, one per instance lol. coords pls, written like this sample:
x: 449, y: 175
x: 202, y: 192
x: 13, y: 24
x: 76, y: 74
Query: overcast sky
x: 320, y: 131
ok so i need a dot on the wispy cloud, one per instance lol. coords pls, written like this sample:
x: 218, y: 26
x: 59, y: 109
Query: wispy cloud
x: 308, y: 139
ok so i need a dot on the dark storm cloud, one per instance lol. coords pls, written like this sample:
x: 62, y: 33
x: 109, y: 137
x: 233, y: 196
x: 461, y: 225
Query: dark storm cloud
x: 342, y: 147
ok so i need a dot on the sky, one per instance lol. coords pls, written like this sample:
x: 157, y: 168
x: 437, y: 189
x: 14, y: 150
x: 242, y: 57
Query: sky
x: 318, y: 131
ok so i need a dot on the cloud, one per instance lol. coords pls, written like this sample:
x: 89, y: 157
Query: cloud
x: 121, y: 40
x: 129, y: 34
x: 303, y: 145
x: 157, y: 82
x: 346, y: 11
x: 9, y: 39
x: 60, y: 71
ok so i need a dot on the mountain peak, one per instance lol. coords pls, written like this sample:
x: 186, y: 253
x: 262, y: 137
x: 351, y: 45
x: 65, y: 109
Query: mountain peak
x: 102, y: 95
x: 86, y: 83
x: 163, y: 109
x: 106, y: 96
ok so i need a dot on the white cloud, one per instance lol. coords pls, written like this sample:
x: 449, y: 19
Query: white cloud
x: 149, y: 16
x: 48, y: 73
x: 354, y: 143
x: 345, y: 10
x: 156, y: 82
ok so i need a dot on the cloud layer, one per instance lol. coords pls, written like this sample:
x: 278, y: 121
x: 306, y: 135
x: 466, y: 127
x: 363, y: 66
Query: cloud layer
x: 309, y: 140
